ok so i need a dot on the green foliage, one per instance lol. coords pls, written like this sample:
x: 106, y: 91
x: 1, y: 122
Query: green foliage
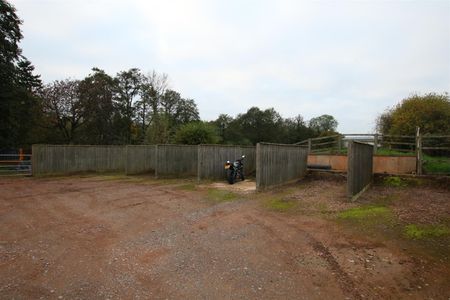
x: 197, y: 133
x: 436, y: 164
x: 365, y: 212
x: 19, y: 113
x: 414, y: 231
x: 324, y: 124
x: 394, y: 181
x: 430, y: 112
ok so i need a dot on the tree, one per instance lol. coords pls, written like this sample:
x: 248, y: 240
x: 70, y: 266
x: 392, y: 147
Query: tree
x: 96, y: 94
x: 152, y: 88
x: 297, y: 130
x: 61, y: 103
x: 323, y: 124
x: 128, y: 84
x: 196, y: 133
x: 430, y: 112
x: 17, y: 83
x: 261, y: 125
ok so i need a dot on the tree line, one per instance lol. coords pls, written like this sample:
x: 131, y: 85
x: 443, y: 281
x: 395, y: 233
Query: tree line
x: 133, y: 107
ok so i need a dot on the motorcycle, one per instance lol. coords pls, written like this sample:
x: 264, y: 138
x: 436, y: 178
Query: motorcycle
x: 235, y: 170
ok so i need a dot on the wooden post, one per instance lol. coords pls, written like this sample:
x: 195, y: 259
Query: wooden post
x: 418, y: 152
x: 258, y: 166
x: 309, y: 145
x: 375, y: 143
x: 156, y: 161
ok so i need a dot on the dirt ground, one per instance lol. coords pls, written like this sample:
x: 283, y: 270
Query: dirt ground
x: 112, y: 237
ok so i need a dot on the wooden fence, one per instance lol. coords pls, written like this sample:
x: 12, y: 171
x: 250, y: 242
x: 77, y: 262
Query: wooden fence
x: 360, y: 165
x: 213, y: 157
x: 180, y: 160
x: 140, y: 159
x: 203, y: 161
x: 277, y: 164
x: 58, y: 159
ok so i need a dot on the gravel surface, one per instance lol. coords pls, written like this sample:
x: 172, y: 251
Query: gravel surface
x: 100, y: 238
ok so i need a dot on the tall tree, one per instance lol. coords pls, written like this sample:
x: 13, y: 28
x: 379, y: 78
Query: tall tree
x: 261, y: 125
x: 96, y: 94
x: 62, y: 104
x: 17, y: 83
x: 128, y: 85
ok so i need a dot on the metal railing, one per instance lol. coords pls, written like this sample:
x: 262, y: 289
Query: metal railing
x: 15, y: 164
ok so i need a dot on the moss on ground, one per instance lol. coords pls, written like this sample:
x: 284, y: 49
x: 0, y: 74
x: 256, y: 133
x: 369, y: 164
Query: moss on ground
x: 365, y: 212
x: 280, y: 204
x: 395, y: 181
x: 417, y: 232
x: 221, y: 195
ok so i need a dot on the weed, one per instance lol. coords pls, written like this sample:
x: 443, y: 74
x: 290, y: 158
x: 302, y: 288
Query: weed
x: 417, y: 232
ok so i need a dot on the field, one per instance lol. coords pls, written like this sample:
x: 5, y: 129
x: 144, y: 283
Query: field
x: 115, y: 237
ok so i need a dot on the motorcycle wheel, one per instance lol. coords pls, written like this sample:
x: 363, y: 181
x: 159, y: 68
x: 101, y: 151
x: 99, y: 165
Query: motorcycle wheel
x: 230, y: 176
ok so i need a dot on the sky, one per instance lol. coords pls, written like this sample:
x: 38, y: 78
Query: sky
x: 349, y: 59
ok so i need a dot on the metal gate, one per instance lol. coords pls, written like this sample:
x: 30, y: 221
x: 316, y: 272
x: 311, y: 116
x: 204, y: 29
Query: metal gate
x: 15, y: 164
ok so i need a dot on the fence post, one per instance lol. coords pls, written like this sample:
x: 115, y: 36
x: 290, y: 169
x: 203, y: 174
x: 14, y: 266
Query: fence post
x: 199, y: 167
x: 339, y: 143
x: 309, y: 145
x: 156, y: 161
x: 375, y: 143
x: 258, y: 166
x: 419, y: 152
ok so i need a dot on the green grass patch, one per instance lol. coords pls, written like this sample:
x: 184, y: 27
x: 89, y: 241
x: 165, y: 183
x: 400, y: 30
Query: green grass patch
x: 394, y: 181
x: 221, y: 195
x: 188, y: 187
x: 417, y: 232
x: 280, y: 204
x: 434, y: 164
x: 365, y: 212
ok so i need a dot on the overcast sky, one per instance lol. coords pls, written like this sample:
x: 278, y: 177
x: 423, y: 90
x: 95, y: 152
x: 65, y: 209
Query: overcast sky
x: 350, y: 59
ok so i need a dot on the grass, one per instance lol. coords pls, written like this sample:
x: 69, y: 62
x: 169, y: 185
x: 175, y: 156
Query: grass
x: 221, y: 195
x: 417, y: 232
x: 281, y: 205
x: 365, y: 212
x: 436, y: 164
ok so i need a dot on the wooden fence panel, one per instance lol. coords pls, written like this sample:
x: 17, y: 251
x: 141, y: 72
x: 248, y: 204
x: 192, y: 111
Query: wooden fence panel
x: 176, y: 160
x: 277, y: 164
x: 140, y: 159
x: 66, y: 159
x: 213, y: 157
x: 360, y: 168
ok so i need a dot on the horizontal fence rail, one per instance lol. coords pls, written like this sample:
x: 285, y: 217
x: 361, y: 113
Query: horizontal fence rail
x: 15, y: 164
x: 432, y: 152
